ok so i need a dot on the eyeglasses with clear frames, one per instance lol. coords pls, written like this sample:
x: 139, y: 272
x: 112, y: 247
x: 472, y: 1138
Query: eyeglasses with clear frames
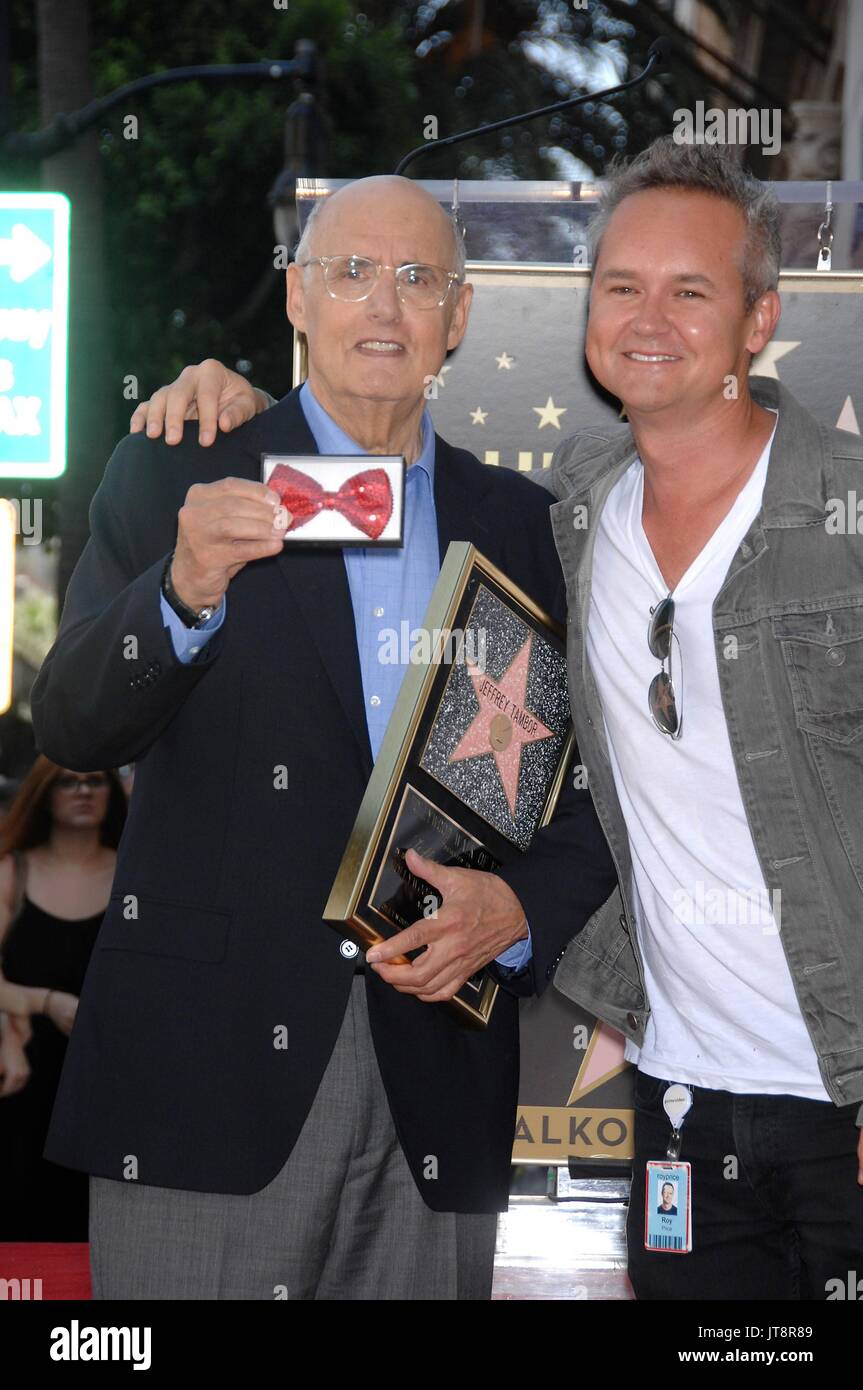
x: 353, y: 278
x: 71, y: 781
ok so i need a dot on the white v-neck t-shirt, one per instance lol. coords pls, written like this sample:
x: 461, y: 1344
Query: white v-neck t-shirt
x: 724, y: 1013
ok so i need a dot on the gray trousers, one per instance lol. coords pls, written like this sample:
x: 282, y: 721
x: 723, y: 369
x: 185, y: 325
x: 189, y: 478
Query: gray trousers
x: 343, y: 1219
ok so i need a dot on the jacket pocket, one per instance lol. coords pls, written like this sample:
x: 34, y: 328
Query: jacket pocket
x: 823, y: 654
x: 163, y: 928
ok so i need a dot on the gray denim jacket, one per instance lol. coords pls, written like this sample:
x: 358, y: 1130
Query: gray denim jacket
x: 788, y: 628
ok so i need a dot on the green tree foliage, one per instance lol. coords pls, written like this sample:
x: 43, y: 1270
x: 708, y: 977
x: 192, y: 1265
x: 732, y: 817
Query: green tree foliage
x: 188, y: 225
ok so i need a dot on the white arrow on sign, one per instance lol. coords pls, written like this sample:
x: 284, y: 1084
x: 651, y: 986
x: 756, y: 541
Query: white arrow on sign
x: 24, y: 252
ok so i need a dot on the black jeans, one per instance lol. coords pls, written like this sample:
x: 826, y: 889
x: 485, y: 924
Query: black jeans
x: 777, y: 1212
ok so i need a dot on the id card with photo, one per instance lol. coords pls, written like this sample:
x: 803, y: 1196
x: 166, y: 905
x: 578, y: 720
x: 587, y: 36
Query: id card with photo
x: 668, y: 1208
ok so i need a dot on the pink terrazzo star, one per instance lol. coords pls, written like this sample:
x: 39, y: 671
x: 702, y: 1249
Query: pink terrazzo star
x: 503, y: 725
x: 604, y: 1060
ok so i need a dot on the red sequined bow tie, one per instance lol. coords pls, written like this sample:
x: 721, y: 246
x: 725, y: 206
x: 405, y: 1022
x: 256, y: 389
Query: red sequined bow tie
x: 365, y: 499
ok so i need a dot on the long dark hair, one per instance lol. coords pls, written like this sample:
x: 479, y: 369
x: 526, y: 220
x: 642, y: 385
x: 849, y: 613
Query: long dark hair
x: 28, y: 820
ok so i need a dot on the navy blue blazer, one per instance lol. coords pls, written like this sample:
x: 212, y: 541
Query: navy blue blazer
x: 171, y: 1058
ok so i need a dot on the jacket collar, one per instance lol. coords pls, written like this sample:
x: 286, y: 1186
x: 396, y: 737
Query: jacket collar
x: 282, y: 428
x: 800, y: 477
x: 461, y: 483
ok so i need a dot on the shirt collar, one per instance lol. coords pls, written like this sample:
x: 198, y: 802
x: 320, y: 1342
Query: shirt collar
x: 331, y: 438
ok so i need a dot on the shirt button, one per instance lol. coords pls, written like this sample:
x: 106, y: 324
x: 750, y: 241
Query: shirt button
x: 349, y: 949
x: 835, y: 655
x: 632, y: 1019
x: 379, y: 612
x: 375, y: 700
x: 194, y: 649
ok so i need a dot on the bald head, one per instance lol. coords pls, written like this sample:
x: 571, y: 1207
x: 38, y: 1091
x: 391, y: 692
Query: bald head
x: 384, y: 200
x: 371, y: 358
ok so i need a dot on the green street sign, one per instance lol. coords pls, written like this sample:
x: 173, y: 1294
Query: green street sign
x: 34, y: 304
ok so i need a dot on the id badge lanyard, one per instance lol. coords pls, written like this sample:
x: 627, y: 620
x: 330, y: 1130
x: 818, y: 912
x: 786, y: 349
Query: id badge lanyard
x: 677, y: 1103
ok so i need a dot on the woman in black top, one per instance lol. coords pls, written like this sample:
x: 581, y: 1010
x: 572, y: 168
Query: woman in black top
x: 57, y: 856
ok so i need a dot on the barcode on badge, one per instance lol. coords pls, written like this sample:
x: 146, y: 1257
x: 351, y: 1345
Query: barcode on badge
x: 665, y: 1242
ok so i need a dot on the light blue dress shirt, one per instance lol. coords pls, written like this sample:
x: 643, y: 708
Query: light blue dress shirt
x: 390, y: 591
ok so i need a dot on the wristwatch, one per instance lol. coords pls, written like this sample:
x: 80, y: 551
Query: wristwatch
x: 191, y: 617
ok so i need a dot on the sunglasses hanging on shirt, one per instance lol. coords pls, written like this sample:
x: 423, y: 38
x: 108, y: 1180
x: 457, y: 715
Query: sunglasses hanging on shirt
x: 664, y: 706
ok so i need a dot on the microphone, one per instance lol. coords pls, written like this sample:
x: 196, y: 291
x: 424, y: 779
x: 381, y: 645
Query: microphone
x: 657, y: 58
x: 662, y: 49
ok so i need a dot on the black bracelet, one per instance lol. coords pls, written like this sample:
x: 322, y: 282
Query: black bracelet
x: 189, y: 616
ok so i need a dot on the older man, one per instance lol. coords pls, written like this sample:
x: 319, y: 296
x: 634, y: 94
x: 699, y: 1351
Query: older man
x: 264, y: 1116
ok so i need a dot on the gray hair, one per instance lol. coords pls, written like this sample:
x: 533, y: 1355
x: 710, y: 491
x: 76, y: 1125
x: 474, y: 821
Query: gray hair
x: 711, y: 169
x: 303, y: 246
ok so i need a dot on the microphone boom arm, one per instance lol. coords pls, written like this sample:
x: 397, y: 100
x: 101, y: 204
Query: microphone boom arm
x: 655, y: 54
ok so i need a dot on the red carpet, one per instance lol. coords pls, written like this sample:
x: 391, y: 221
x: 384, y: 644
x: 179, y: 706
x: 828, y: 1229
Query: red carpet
x: 53, y: 1271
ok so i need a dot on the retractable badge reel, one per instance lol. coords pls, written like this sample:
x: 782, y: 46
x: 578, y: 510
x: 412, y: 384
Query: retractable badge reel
x: 677, y: 1103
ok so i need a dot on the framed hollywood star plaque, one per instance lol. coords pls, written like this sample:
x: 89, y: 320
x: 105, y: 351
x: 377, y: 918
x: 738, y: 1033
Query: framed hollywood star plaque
x: 339, y: 499
x: 472, y: 761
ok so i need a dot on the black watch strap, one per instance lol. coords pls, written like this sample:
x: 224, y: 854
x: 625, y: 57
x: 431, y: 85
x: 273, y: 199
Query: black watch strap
x: 189, y: 616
